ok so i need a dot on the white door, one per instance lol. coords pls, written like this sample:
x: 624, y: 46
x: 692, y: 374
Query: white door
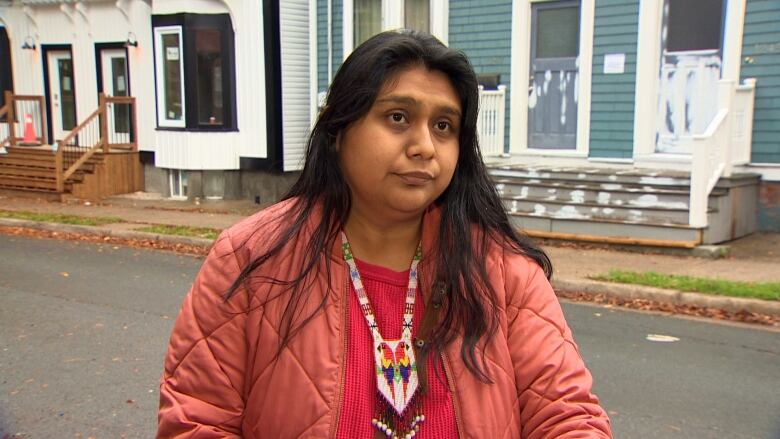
x: 690, y: 70
x: 115, y: 83
x: 62, y: 93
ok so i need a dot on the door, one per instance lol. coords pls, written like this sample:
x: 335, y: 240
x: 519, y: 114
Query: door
x: 115, y: 83
x: 552, y: 103
x: 62, y: 93
x: 690, y: 71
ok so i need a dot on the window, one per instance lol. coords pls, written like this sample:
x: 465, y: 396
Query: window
x: 369, y: 19
x: 694, y: 25
x: 417, y: 15
x: 178, y: 182
x: 558, y: 32
x: 170, y: 77
x: 194, y: 62
x: 207, y: 48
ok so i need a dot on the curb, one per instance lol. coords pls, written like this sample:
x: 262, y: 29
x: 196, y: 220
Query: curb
x: 104, y: 231
x: 733, y: 304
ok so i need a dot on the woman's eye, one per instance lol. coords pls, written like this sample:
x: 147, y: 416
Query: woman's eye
x: 397, y: 117
x: 442, y: 126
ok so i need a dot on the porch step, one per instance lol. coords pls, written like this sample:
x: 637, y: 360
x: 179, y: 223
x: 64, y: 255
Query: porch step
x: 28, y: 183
x: 581, y: 209
x: 602, y: 194
x: 625, y: 206
x: 658, y: 179
x: 639, y: 232
x: 36, y: 173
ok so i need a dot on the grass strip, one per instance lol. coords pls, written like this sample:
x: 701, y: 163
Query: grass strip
x: 194, y: 232
x: 753, y: 290
x: 59, y: 218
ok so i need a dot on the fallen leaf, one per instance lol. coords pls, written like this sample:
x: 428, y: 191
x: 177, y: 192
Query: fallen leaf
x: 64, y: 274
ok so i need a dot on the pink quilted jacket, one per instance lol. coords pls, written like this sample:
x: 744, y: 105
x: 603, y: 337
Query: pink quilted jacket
x: 221, y: 378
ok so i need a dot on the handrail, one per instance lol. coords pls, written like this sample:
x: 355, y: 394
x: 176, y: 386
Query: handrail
x: 711, y: 156
x: 93, y: 132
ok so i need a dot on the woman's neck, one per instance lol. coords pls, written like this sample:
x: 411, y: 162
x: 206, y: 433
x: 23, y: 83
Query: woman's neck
x: 388, y: 244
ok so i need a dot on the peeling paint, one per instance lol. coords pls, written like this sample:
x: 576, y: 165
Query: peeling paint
x: 603, y: 197
x: 569, y: 212
x: 539, y: 209
x: 577, y: 196
x: 611, y: 186
x: 688, y: 99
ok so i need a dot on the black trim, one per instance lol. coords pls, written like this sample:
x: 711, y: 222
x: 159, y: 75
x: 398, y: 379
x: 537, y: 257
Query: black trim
x: 100, y: 47
x: 190, y: 23
x: 146, y: 157
x: 45, y: 49
x: 6, y: 69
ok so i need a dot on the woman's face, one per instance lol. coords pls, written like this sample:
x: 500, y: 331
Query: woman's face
x: 400, y: 156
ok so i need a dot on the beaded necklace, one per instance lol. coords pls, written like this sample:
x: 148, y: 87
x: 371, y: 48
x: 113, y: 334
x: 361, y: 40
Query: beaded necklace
x: 399, y: 409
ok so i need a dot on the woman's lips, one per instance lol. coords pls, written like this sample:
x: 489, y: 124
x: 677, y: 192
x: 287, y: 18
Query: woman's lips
x: 415, y: 178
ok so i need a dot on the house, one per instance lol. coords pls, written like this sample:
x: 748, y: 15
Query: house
x: 215, y: 114
x: 650, y: 122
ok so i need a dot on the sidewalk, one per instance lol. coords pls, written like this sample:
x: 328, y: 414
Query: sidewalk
x: 754, y: 258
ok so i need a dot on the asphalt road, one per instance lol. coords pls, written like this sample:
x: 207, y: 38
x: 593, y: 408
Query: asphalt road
x: 84, y: 328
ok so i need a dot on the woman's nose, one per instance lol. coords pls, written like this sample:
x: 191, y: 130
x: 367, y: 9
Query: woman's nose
x: 421, y: 143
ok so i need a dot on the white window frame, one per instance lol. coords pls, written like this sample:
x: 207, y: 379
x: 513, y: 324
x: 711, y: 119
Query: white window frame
x: 162, y: 117
x: 179, y: 192
x: 393, y: 18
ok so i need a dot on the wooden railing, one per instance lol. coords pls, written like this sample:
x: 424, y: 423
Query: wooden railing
x: 490, y: 120
x: 111, y: 126
x: 17, y: 108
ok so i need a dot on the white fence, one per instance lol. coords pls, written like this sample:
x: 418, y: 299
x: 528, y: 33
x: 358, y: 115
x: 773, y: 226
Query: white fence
x: 490, y: 121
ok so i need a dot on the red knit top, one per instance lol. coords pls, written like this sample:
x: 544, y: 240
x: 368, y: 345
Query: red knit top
x: 386, y: 290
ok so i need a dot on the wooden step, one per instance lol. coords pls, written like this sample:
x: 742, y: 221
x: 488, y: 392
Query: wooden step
x: 32, y: 183
x: 37, y: 173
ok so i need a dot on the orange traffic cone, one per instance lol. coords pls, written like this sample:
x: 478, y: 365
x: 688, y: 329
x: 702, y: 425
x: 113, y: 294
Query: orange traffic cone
x: 29, y: 131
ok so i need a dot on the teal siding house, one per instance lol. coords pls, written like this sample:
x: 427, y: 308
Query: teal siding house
x: 628, y: 121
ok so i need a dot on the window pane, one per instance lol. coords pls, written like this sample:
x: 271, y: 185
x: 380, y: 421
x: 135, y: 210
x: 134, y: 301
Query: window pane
x: 119, y: 85
x: 417, y: 15
x: 694, y: 25
x: 68, y: 95
x: 558, y: 32
x: 368, y: 19
x: 172, y: 76
x: 209, y: 58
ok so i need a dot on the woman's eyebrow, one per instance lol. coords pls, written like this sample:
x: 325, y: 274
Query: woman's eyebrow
x: 408, y: 100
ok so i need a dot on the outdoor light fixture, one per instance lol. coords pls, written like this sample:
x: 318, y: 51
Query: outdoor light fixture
x: 131, y: 40
x: 29, y: 43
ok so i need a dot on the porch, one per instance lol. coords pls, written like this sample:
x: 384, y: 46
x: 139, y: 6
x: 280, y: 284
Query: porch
x: 96, y: 158
x: 680, y: 200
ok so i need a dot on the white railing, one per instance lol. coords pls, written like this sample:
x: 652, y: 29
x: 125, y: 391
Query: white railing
x: 490, y: 121
x: 725, y: 141
x: 742, y: 123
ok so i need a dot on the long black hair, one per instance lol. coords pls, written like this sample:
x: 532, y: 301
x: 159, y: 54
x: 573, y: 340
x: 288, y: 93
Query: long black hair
x: 469, y: 307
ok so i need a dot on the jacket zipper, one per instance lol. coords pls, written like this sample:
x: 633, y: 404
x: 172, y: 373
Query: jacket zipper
x: 455, y: 403
x: 344, y: 337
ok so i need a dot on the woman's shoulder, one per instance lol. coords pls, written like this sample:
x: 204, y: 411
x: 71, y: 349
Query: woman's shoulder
x: 518, y: 273
x: 259, y: 231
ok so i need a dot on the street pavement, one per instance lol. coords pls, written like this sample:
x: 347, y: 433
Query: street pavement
x: 755, y: 258
x: 85, y: 328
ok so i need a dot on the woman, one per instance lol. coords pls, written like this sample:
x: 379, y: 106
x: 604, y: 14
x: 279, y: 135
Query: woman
x: 308, y: 319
